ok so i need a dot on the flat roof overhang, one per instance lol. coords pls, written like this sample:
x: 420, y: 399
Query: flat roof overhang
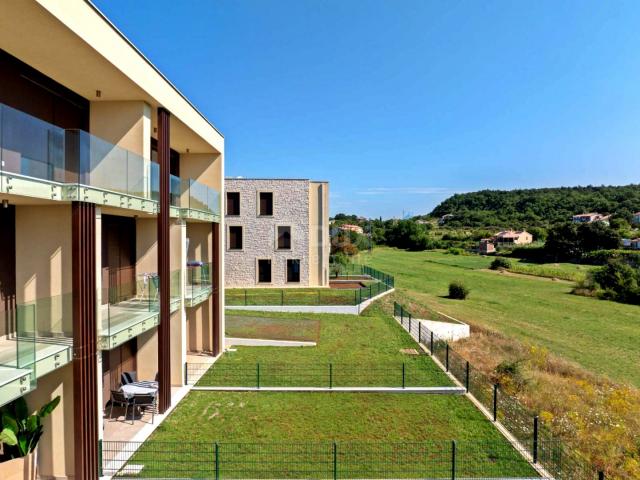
x: 74, y: 44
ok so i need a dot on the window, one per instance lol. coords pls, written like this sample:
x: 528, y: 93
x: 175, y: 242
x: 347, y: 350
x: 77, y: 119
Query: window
x: 233, y: 203
x: 293, y: 271
x: 264, y: 271
x: 266, y: 204
x: 235, y: 238
x: 284, y: 238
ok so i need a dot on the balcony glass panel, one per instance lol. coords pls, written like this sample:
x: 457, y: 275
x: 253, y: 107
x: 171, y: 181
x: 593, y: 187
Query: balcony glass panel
x: 202, y: 198
x: 175, y: 289
x: 198, y: 283
x: 30, y: 146
x: 129, y: 309
x: 18, y: 356
x: 175, y: 186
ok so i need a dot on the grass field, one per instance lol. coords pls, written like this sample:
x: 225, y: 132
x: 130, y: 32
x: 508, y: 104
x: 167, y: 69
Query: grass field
x: 291, y: 435
x: 273, y: 328
x: 292, y: 296
x: 371, y: 342
x: 601, y: 336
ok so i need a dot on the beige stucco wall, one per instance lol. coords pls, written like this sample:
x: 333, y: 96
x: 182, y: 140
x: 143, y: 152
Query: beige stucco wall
x: 127, y: 124
x: 147, y: 355
x: 319, y: 244
x: 55, y: 450
x: 205, y: 168
x: 43, y: 270
x: 199, y: 327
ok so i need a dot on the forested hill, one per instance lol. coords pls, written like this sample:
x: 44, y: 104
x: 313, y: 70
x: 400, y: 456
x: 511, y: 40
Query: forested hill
x: 537, y: 207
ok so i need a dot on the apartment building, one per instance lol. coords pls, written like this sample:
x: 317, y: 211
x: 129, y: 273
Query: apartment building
x: 110, y: 225
x: 277, y: 233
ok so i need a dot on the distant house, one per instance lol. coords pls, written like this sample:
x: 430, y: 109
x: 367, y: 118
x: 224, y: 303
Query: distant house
x: 626, y: 242
x: 443, y: 219
x: 512, y: 237
x: 636, y: 218
x: 590, y: 218
x: 486, y: 246
x: 635, y: 244
x: 351, y: 228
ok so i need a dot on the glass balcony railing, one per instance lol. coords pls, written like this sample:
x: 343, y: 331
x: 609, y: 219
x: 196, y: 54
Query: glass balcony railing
x: 175, y: 290
x: 198, y: 283
x: 18, y: 358
x: 201, y: 198
x: 129, y: 309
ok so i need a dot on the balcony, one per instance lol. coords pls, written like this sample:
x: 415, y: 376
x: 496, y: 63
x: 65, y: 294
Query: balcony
x: 175, y: 290
x: 42, y: 342
x: 40, y: 160
x: 132, y: 309
x: 198, y: 286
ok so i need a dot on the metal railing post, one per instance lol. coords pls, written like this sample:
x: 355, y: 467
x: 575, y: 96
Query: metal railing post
x: 403, y: 374
x: 409, y: 324
x: 335, y: 460
x: 281, y: 297
x: 419, y: 331
x: 257, y: 375
x: 331, y: 375
x: 186, y: 374
x: 245, y: 297
x: 495, y: 402
x: 447, y: 356
x: 466, y: 377
x: 453, y: 460
x: 100, y: 457
x: 535, y: 440
x: 431, y: 346
x: 217, y: 457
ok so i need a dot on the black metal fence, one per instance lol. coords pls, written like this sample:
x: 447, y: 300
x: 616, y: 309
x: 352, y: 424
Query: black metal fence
x: 417, y: 372
x: 521, y: 422
x: 354, y: 270
x: 320, y: 460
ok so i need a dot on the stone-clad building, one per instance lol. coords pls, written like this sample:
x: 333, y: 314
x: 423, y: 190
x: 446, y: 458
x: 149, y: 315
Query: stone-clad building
x: 277, y: 233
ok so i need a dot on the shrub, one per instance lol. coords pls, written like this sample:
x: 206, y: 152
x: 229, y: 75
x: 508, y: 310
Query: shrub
x: 455, y: 251
x: 458, y: 290
x: 500, y: 263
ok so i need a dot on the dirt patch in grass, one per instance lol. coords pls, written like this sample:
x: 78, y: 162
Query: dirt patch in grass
x: 269, y: 328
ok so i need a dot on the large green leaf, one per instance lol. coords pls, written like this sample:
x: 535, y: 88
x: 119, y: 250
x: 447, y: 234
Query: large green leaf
x: 32, y: 423
x: 8, y: 421
x: 22, y: 411
x: 8, y: 437
x: 49, y: 407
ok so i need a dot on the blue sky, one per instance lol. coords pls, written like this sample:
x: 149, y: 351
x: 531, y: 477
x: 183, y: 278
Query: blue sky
x: 401, y: 103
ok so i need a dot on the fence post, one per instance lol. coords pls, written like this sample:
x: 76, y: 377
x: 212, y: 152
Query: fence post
x: 447, y: 357
x: 257, y: 375
x: 319, y: 301
x: 369, y: 290
x: 535, y: 439
x: 335, y: 460
x: 355, y: 297
x: 431, y: 343
x: 245, y: 297
x: 100, y: 457
x: 186, y: 374
x: 331, y: 375
x: 419, y: 331
x: 217, y: 454
x: 403, y: 375
x: 409, y: 324
x: 466, y: 376
x: 401, y: 314
x: 281, y: 297
x: 495, y: 402
x: 453, y: 460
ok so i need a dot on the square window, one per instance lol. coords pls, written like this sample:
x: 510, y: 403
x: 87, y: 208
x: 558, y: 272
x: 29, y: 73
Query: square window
x: 293, y: 271
x: 233, y: 203
x: 266, y: 203
x: 284, y: 238
x: 264, y: 271
x: 235, y: 238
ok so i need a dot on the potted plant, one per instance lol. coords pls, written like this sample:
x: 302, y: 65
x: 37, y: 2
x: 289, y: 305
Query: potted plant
x: 19, y: 436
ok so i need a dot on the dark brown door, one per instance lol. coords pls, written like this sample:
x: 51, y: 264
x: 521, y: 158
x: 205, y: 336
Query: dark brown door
x: 118, y: 258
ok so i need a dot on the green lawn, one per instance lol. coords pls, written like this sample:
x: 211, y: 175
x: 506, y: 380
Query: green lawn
x: 365, y: 348
x: 291, y: 296
x: 291, y: 435
x: 601, y: 336
x: 273, y: 328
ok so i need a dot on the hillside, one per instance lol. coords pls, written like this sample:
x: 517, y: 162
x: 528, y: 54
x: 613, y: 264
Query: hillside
x: 537, y: 207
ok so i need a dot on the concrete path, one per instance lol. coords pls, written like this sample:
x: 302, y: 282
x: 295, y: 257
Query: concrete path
x: 258, y: 342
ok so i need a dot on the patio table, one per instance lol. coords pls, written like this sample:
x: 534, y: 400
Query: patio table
x: 140, y: 388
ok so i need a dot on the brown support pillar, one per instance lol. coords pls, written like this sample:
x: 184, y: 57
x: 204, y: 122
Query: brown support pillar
x: 164, y: 329
x: 85, y: 381
x: 217, y: 289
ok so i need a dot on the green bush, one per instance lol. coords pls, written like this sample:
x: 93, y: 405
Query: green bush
x: 458, y: 290
x: 455, y: 251
x: 500, y: 263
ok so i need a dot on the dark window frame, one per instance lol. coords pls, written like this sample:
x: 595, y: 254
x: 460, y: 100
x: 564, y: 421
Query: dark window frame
x: 269, y: 210
x: 291, y: 260
x: 238, y: 210
x: 290, y: 239
x: 230, y: 245
x: 264, y: 261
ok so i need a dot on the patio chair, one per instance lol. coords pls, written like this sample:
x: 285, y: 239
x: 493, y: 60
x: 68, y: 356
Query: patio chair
x: 120, y: 399
x: 128, y: 377
x: 145, y: 401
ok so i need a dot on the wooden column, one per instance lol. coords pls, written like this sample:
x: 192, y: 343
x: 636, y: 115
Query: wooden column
x: 217, y: 288
x: 85, y: 381
x: 164, y: 329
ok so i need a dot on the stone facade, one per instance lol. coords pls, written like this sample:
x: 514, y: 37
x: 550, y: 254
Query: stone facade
x: 291, y: 207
